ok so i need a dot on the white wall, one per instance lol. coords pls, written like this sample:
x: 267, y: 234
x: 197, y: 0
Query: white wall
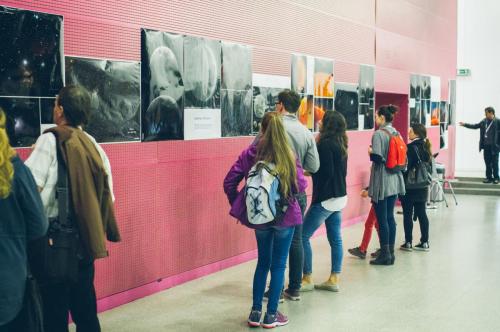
x: 478, y: 48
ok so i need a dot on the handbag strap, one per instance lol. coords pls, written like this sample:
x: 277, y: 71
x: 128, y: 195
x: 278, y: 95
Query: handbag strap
x: 419, y: 161
x: 62, y: 192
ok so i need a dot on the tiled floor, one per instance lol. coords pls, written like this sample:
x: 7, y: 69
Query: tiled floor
x: 454, y: 287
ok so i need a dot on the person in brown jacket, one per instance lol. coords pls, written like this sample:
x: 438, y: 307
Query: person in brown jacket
x: 90, y: 207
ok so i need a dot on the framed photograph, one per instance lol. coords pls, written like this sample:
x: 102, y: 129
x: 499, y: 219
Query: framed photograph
x: 415, y: 112
x: 366, y: 84
x: 425, y: 86
x: 202, y: 73
x: 264, y: 100
x: 236, y: 66
x: 114, y: 89
x: 31, y: 56
x: 236, y: 112
x: 162, y: 90
x: 23, y: 120
x: 300, y: 75
x: 346, y: 103
x: 323, y: 78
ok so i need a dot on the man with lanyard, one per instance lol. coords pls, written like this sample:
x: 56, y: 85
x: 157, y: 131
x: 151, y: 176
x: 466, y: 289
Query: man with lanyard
x: 489, y: 142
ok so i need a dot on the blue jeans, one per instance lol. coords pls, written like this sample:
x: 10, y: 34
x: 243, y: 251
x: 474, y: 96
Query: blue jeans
x: 333, y: 220
x: 385, y: 217
x: 273, y: 245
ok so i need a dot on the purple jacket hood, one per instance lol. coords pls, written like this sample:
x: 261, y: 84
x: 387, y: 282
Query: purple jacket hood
x: 239, y: 171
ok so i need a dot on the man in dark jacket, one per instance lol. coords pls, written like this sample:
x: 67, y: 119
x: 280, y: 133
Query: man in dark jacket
x: 489, y: 142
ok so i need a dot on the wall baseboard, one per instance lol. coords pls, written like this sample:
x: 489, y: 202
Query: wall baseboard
x: 130, y: 295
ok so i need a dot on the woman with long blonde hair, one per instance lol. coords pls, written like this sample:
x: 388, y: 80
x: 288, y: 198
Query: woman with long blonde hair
x: 22, y: 219
x: 274, y: 238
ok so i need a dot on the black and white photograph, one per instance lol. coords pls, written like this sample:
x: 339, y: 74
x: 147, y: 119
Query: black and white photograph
x: 264, y: 100
x: 47, y: 110
x: 162, y: 90
x: 443, y: 136
x: 452, y: 102
x: 23, y: 120
x: 415, y: 112
x: 236, y: 66
x: 299, y: 74
x: 425, y: 86
x: 346, y: 103
x: 444, y: 115
x: 323, y: 78
x: 366, y: 115
x: 31, y: 55
x: 114, y: 89
x: 415, y: 91
x: 202, y: 73
x: 443, y: 125
x: 236, y: 112
x: 366, y: 84
x: 425, y: 112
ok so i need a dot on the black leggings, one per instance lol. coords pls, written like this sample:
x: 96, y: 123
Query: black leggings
x: 411, y: 208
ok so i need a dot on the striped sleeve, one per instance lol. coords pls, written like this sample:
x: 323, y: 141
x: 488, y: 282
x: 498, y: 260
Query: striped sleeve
x: 41, y: 158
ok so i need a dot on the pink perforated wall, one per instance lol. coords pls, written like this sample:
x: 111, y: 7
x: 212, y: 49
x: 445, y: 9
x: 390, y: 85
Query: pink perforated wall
x: 169, y: 200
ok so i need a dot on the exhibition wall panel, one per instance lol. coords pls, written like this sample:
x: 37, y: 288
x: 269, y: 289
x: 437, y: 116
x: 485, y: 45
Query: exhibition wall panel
x: 170, y: 205
x: 359, y: 11
x: 418, y: 36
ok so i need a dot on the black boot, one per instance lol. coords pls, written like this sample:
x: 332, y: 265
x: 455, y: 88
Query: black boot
x: 384, y: 258
x: 391, y: 250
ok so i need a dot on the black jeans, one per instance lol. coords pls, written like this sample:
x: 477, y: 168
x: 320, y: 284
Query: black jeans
x: 296, y: 256
x: 418, y: 209
x: 78, y: 298
x: 491, y: 162
x: 384, y: 210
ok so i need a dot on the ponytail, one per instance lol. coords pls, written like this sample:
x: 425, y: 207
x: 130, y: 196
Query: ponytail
x: 428, y: 147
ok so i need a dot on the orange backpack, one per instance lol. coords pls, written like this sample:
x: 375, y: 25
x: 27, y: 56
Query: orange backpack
x: 396, y: 156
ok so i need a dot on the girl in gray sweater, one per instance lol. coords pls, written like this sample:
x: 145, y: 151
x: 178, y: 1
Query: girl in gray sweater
x: 385, y: 185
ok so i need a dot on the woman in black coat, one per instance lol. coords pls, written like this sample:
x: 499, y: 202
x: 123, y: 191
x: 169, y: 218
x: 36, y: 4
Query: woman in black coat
x: 414, y: 201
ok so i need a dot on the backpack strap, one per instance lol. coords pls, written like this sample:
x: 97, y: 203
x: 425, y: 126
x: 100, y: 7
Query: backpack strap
x: 387, y: 132
x: 62, y: 189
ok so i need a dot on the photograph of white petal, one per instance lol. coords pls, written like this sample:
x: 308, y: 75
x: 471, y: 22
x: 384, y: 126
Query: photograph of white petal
x: 202, y: 72
x: 236, y: 66
x: 162, y: 88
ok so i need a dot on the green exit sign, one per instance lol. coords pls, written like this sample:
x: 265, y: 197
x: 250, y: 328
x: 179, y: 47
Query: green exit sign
x: 463, y: 72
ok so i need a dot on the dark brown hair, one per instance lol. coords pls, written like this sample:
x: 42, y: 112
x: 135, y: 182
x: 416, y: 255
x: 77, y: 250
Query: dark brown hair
x: 490, y: 109
x: 290, y: 100
x: 420, y: 130
x: 76, y: 105
x: 334, y: 126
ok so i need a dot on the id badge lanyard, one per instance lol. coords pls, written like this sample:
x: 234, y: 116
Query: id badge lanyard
x: 488, y: 128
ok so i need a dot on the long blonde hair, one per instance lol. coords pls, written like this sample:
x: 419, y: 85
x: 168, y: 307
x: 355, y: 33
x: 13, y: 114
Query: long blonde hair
x: 273, y: 147
x: 6, y: 153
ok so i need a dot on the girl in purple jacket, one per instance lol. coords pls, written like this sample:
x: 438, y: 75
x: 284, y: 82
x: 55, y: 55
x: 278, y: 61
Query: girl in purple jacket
x: 273, y: 242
